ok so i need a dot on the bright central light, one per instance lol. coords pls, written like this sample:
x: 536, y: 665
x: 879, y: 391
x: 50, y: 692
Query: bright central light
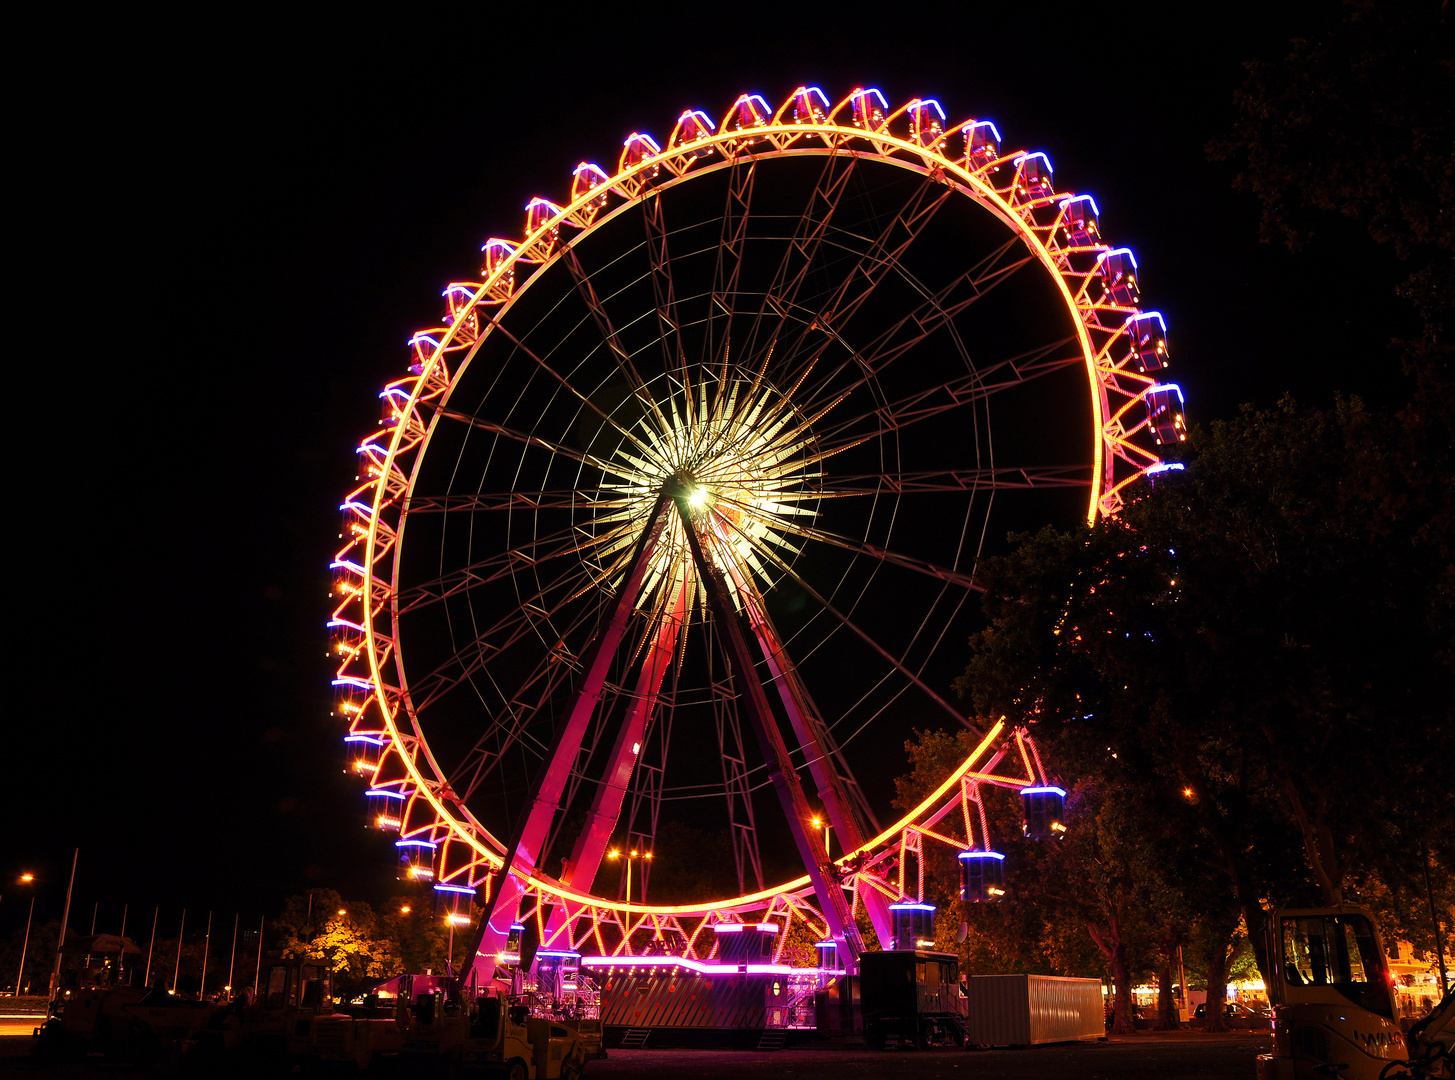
x: 743, y: 452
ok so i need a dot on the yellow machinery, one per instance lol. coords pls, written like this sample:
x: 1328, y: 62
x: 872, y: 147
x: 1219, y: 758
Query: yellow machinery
x: 1333, y: 1005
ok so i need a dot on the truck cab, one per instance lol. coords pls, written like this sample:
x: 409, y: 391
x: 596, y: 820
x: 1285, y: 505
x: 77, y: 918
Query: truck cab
x: 525, y: 1047
x: 1333, y: 1004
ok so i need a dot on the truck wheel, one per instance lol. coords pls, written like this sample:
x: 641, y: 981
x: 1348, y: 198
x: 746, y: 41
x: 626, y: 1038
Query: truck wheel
x: 515, y: 1069
x: 874, y: 1036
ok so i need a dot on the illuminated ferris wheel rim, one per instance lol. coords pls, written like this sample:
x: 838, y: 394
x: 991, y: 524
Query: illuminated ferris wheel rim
x: 746, y: 133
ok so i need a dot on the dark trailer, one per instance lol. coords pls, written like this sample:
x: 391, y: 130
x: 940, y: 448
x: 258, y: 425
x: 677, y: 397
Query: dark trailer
x: 912, y: 995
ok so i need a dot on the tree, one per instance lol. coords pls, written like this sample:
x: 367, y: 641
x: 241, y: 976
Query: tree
x: 1359, y: 124
x: 1260, y: 632
x: 1100, y: 899
x: 361, y: 946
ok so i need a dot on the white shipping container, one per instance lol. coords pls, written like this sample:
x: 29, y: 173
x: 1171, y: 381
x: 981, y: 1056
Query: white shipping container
x: 1028, y: 1010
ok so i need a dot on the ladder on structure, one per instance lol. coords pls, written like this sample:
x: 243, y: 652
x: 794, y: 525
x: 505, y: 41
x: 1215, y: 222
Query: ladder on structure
x: 962, y: 1029
x: 773, y: 1039
x: 634, y: 1039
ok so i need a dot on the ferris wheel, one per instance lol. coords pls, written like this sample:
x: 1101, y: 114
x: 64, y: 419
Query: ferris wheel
x: 677, y: 514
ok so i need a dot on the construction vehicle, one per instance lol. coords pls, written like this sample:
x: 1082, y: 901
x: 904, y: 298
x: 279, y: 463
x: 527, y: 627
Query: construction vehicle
x: 1333, y: 1004
x: 105, y: 1013
x: 276, y: 1024
x: 431, y: 1020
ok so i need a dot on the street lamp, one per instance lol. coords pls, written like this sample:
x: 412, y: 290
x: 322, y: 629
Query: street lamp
x: 25, y: 879
x: 819, y: 823
x: 644, y: 857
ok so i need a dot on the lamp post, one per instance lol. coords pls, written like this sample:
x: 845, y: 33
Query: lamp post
x: 819, y: 823
x: 25, y: 879
x: 177, y: 971
x: 206, y: 946
x: 642, y: 856
x: 453, y: 919
x: 232, y: 958
x: 258, y: 971
x: 146, y: 980
x: 65, y: 916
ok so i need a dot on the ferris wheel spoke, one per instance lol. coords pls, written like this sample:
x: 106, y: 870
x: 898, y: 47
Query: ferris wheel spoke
x: 732, y: 242
x: 766, y: 553
x: 621, y: 472
x: 646, y: 449
x: 838, y: 787
x: 943, y: 397
x: 664, y: 291
x: 875, y: 262
x: 627, y: 765
x: 737, y: 777
x: 567, y: 541
x: 884, y: 555
x: 937, y: 311
x: 482, y: 760
x: 623, y: 359
x: 548, y: 499
x: 521, y: 621
x: 802, y: 249
x: 940, y: 308
x: 544, y: 681
x: 944, y: 480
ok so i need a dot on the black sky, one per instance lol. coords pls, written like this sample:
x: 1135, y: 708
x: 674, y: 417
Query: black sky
x: 225, y: 234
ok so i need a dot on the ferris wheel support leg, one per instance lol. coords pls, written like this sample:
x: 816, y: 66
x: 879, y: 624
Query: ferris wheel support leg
x: 842, y: 927
x: 606, y: 806
x: 524, y: 848
x: 822, y: 761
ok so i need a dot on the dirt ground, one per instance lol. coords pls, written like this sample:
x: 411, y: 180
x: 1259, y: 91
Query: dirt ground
x: 1154, y: 1056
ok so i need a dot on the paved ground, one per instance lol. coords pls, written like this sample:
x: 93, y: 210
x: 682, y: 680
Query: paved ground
x: 1148, y: 1056
x: 1164, y: 1056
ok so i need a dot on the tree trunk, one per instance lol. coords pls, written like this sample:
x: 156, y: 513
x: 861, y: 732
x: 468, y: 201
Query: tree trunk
x: 1166, y: 1010
x: 1217, y: 982
x: 1258, y: 925
x: 1109, y: 940
x: 1123, y: 1022
x: 1318, y: 840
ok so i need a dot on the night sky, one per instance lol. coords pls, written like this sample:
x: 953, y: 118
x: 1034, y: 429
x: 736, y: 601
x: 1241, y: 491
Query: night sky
x: 226, y: 234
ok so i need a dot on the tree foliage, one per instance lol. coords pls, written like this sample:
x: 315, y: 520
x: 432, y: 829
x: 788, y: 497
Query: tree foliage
x: 1258, y: 649
x: 1360, y: 123
x: 359, y: 945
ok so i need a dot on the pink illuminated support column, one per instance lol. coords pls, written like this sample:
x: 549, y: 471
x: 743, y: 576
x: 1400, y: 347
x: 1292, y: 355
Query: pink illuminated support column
x: 821, y: 763
x: 781, y: 773
x: 590, y: 846
x: 524, y: 847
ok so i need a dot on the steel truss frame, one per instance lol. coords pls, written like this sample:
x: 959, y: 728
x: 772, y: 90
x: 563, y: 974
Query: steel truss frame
x: 371, y: 690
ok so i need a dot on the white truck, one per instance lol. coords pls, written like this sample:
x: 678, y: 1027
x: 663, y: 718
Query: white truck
x: 1334, y: 1008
